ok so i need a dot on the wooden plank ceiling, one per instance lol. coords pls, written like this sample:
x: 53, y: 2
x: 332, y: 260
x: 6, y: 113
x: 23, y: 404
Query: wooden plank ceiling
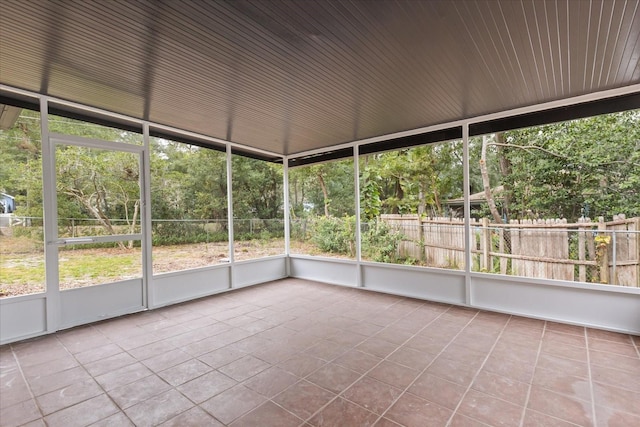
x: 292, y: 76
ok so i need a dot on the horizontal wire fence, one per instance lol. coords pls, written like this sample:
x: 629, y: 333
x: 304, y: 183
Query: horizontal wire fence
x: 164, y: 231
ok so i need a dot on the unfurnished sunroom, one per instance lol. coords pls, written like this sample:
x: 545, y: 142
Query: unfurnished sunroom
x: 475, y: 154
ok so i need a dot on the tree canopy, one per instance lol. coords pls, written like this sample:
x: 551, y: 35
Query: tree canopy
x: 587, y: 167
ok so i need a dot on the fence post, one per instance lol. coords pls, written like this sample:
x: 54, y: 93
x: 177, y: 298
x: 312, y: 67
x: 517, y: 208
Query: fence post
x: 614, y: 252
x: 421, y: 242
x: 582, y: 269
x: 602, y: 251
x: 503, y: 260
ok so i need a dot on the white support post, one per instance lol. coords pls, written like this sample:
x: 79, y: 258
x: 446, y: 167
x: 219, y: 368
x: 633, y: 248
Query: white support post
x: 287, y: 227
x: 356, y: 174
x: 52, y: 280
x: 230, y: 215
x: 147, y: 267
x: 467, y: 212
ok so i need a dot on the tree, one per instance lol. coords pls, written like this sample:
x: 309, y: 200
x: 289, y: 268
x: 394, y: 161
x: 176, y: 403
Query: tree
x: 324, y: 189
x: 257, y: 189
x: 86, y: 179
x: 203, y: 185
x: 486, y: 181
x: 370, y: 203
x: 416, y: 180
x: 587, y: 167
x: 21, y: 157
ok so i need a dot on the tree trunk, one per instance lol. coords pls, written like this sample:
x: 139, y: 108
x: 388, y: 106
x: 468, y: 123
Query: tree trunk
x: 325, y: 194
x: 96, y: 212
x: 485, y: 182
x: 399, y: 196
x: 505, y: 171
x: 132, y: 224
x: 436, y: 202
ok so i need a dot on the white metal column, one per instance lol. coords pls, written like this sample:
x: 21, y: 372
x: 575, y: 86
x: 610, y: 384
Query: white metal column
x: 230, y: 214
x: 52, y: 288
x: 467, y: 213
x: 287, y: 225
x: 147, y: 266
x: 356, y: 189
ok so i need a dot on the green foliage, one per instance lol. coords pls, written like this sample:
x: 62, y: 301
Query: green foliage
x: 380, y: 243
x: 33, y: 233
x: 409, y: 181
x: 88, y: 184
x: 257, y: 189
x: 262, y: 229
x: 370, y: 203
x: 201, y: 182
x: 589, y: 166
x: 594, y: 169
x: 182, y: 232
x: 334, y: 235
x: 305, y: 189
x: 21, y: 171
x: 67, y: 126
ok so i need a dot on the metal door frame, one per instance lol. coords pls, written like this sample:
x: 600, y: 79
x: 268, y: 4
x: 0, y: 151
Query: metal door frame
x: 54, y: 242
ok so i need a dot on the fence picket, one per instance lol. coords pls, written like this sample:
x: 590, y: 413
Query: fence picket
x: 541, y: 248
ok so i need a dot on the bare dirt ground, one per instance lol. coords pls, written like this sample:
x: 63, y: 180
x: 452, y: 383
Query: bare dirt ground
x: 22, y: 262
x: 184, y: 257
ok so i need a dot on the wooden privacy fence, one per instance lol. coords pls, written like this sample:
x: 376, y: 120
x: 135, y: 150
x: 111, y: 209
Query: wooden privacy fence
x: 586, y: 251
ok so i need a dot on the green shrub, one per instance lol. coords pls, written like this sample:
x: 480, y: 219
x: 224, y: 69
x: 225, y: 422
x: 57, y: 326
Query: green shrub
x: 35, y: 233
x: 380, y: 243
x: 334, y: 235
x: 183, y: 232
x: 299, y: 229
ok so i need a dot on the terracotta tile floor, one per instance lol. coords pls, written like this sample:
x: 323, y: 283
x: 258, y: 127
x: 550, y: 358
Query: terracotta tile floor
x: 299, y: 353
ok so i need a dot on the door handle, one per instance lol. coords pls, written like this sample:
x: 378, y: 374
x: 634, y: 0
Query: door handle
x: 62, y: 242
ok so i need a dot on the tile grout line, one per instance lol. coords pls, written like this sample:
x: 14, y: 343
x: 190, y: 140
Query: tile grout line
x: 250, y: 354
x: 137, y: 360
x: 304, y: 421
x: 338, y: 395
x: 591, y: 391
x: 455, y: 410
x: 198, y: 405
x: 637, y: 347
x: 450, y: 308
x: 196, y: 357
x: 430, y: 363
x: 421, y: 372
x: 241, y: 383
x: 94, y: 379
x: 55, y: 335
x: 24, y: 378
x: 526, y: 401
